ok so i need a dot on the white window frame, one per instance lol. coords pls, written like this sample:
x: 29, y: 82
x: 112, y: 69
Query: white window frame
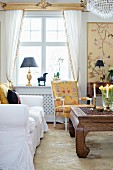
x: 43, y: 44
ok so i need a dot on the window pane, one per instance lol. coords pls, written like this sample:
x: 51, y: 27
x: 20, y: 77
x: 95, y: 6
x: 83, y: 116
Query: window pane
x: 27, y: 51
x: 31, y: 30
x: 51, y: 24
x: 36, y: 24
x: 54, y: 29
x: 61, y: 24
x: 54, y: 36
x: 26, y: 24
x: 61, y: 36
x: 35, y: 36
x: 57, y: 61
x: 25, y: 36
x: 51, y: 36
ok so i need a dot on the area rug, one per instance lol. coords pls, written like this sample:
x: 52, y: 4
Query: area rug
x: 57, y: 152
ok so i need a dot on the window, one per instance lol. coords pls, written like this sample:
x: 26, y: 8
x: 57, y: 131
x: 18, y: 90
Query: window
x: 43, y: 37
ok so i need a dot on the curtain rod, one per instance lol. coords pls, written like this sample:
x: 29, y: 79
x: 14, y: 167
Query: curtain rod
x: 45, y: 6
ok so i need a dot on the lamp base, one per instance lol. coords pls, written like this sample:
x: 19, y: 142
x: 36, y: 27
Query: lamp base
x: 29, y: 77
x: 28, y: 84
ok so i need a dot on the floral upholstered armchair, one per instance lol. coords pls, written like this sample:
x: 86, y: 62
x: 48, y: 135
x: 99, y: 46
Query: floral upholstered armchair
x: 65, y: 94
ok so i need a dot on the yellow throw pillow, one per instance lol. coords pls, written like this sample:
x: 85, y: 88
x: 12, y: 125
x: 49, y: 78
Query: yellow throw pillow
x: 3, y: 93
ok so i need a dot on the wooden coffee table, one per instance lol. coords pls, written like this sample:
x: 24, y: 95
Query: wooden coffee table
x: 83, y: 120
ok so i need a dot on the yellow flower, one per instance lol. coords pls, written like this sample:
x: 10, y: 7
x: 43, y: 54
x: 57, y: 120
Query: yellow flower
x: 111, y: 87
x: 101, y: 88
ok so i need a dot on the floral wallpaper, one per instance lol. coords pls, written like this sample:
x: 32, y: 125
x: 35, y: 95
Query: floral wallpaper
x: 99, y: 46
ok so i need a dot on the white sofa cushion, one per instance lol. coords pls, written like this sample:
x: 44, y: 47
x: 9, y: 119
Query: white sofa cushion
x: 37, y: 113
x: 32, y: 124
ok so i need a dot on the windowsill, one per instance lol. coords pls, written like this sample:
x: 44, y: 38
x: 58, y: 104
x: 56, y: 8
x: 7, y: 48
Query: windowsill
x: 33, y: 89
x: 34, y: 86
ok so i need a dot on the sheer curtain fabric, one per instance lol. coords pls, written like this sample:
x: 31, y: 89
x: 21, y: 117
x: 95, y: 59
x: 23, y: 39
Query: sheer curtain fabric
x: 13, y: 23
x: 73, y: 29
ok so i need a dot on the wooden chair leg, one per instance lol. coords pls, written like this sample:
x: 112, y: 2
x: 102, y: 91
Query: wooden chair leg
x: 54, y: 120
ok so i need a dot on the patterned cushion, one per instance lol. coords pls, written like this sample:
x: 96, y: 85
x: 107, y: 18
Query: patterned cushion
x: 66, y: 89
x: 65, y: 109
x: 63, y: 113
x: 58, y: 102
x: 3, y: 93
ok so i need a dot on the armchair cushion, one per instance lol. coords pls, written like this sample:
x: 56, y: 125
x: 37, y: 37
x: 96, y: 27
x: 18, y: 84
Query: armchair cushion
x: 65, y: 109
x: 67, y: 90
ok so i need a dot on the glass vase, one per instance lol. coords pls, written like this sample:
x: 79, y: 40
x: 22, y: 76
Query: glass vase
x: 104, y: 101
x: 107, y: 102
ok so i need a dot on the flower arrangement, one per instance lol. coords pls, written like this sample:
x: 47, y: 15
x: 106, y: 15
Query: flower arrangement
x: 104, y: 95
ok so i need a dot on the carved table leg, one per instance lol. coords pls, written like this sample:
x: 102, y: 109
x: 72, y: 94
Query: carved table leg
x: 81, y: 149
x: 71, y: 129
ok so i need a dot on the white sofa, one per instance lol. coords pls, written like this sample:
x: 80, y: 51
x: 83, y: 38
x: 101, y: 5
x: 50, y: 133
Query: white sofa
x: 21, y: 128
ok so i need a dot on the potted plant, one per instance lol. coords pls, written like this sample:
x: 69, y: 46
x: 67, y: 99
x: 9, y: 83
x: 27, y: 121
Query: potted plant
x: 110, y: 75
x: 59, y: 66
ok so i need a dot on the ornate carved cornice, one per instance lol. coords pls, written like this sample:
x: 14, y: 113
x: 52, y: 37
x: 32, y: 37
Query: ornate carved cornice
x: 83, y: 3
x: 44, y: 5
x: 2, y: 4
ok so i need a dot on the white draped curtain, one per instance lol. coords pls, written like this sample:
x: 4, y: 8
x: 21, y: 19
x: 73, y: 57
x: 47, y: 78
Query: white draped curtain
x: 13, y: 25
x: 72, y: 20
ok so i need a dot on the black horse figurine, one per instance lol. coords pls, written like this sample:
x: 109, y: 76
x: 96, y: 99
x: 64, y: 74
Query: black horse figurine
x: 42, y: 78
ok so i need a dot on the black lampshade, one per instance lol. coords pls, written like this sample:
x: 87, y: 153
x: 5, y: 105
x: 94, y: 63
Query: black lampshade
x: 29, y: 62
x: 99, y: 63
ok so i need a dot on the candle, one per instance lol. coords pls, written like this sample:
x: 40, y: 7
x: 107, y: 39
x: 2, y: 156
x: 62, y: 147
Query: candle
x: 107, y: 90
x: 94, y: 88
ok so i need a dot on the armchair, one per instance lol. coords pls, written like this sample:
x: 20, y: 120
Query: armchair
x: 65, y: 94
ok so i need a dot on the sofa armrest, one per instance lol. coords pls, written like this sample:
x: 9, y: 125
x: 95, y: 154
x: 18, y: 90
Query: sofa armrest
x: 32, y: 100
x: 14, y: 115
x: 15, y: 142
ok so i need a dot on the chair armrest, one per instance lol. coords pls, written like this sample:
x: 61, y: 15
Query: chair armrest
x: 86, y: 99
x: 13, y: 114
x: 59, y: 101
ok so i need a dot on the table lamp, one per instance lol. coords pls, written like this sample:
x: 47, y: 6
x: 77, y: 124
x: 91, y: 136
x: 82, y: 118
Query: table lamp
x: 29, y: 62
x: 100, y: 63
